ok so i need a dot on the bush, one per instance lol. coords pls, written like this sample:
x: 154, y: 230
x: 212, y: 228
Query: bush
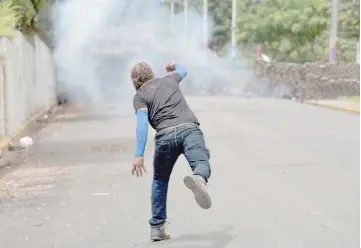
x: 10, y: 17
x: 21, y: 15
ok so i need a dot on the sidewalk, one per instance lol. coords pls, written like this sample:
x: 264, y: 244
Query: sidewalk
x: 341, y: 105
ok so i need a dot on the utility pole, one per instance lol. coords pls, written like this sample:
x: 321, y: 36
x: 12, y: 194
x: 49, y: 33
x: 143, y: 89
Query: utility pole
x: 185, y: 21
x: 358, y: 53
x: 205, y: 25
x: 333, y: 38
x: 171, y: 17
x: 233, y: 40
x: 171, y: 23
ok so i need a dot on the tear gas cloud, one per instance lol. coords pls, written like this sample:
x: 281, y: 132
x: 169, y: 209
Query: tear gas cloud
x: 98, y: 41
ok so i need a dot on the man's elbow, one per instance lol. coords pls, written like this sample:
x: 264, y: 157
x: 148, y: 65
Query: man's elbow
x: 183, y: 74
x: 142, y: 109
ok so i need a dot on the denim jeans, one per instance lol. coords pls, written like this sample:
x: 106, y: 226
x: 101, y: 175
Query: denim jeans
x: 184, y: 139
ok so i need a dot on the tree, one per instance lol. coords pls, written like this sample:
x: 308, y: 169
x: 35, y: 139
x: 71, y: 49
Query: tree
x: 349, y: 29
x: 21, y: 15
x: 349, y: 19
x: 29, y: 10
x: 10, y: 17
x: 222, y: 17
x: 220, y: 11
x: 288, y: 28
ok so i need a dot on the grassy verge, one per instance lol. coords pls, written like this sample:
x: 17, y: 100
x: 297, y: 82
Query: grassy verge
x: 351, y: 99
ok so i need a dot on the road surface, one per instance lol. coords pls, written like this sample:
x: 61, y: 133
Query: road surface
x: 285, y: 175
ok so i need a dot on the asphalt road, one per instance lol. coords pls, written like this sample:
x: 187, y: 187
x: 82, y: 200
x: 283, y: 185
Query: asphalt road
x: 285, y: 175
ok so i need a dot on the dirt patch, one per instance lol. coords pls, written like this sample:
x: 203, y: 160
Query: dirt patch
x: 14, y: 155
x: 21, y: 178
x: 29, y: 181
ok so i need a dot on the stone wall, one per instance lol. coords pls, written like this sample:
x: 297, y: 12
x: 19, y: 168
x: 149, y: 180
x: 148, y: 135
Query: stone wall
x: 306, y: 81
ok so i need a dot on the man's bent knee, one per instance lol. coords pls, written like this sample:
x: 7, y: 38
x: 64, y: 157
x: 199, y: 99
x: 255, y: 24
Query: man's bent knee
x: 202, y: 169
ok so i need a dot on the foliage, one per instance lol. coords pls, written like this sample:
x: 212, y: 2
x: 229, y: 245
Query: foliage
x: 349, y: 16
x: 348, y: 30
x: 287, y: 28
x: 220, y: 13
x: 9, y: 18
x: 21, y: 15
x: 290, y: 30
x: 29, y: 10
x: 27, y: 13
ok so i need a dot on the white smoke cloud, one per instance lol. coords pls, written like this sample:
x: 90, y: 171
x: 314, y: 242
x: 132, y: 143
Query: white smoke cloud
x: 97, y: 42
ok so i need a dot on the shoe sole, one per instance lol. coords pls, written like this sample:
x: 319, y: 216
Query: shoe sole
x: 200, y: 193
x: 159, y: 239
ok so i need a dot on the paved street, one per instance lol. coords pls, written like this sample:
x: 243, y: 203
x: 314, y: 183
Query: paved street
x: 285, y: 175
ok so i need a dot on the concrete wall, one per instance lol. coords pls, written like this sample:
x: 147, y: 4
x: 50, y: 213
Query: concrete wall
x: 27, y: 82
x: 306, y: 81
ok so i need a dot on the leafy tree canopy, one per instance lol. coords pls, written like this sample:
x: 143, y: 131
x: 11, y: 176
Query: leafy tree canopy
x: 290, y: 30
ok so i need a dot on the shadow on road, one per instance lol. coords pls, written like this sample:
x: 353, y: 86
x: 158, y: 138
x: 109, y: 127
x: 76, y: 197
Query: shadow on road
x: 219, y: 239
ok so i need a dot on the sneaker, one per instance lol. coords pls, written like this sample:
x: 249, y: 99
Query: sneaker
x: 197, y: 185
x: 158, y: 233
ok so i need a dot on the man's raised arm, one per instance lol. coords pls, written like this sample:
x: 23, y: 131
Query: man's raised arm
x: 181, y: 70
x: 178, y: 69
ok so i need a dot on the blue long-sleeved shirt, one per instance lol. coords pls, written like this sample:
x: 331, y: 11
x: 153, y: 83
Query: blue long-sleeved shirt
x: 141, y: 132
x: 181, y: 70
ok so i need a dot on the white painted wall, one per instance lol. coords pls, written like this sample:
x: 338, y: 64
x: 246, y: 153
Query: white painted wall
x: 27, y: 81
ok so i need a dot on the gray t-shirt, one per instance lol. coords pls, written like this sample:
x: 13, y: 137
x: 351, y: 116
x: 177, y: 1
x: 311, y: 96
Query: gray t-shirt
x: 165, y: 102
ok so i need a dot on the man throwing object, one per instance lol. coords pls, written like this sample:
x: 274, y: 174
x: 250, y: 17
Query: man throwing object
x: 160, y: 101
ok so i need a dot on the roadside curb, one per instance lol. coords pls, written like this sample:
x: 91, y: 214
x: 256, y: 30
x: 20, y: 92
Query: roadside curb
x: 4, y: 143
x: 345, y: 110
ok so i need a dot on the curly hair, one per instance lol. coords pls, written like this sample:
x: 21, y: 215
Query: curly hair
x: 141, y: 74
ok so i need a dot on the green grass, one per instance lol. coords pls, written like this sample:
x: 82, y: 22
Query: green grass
x: 352, y: 99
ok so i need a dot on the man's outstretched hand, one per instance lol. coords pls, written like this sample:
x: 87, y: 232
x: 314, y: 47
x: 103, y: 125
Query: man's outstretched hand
x: 170, y: 67
x: 138, y: 167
